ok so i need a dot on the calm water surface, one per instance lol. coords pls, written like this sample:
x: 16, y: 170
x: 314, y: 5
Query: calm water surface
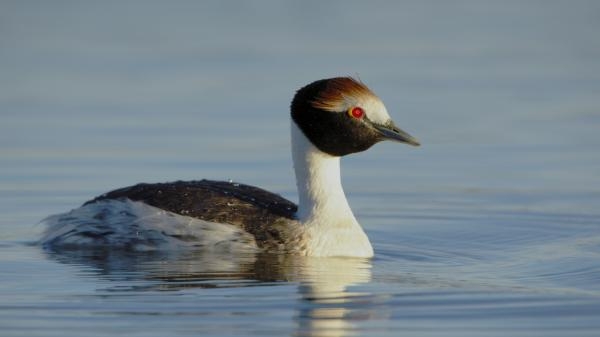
x: 491, y: 228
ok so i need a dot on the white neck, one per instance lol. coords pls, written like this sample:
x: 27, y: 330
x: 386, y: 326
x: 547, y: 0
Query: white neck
x: 323, y: 210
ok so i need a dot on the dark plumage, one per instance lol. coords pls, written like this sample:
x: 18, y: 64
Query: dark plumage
x: 251, y: 208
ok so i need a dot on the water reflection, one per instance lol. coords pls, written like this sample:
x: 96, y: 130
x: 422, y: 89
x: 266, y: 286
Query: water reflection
x: 325, y: 306
x: 329, y: 309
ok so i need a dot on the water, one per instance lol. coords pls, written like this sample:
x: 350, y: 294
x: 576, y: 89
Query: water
x: 491, y: 228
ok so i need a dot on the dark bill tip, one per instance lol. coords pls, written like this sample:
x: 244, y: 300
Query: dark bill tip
x: 394, y: 133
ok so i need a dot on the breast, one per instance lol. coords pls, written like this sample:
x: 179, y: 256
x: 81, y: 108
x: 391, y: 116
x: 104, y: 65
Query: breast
x: 263, y: 214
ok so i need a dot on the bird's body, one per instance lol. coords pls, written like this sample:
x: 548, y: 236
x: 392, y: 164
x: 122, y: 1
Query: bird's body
x: 330, y: 118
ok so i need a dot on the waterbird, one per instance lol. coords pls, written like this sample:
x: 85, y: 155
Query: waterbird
x: 330, y: 118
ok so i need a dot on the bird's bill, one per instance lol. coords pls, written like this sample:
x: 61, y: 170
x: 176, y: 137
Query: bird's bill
x: 390, y: 131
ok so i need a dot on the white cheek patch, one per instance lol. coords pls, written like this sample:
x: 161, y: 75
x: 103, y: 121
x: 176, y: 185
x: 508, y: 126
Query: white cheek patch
x: 375, y: 110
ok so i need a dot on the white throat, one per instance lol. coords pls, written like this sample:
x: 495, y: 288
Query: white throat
x: 323, y: 209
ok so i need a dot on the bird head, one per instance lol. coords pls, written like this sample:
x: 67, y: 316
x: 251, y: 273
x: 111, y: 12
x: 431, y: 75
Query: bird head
x: 342, y: 115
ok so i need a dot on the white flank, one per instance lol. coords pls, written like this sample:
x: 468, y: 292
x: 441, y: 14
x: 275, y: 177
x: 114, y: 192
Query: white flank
x: 126, y: 224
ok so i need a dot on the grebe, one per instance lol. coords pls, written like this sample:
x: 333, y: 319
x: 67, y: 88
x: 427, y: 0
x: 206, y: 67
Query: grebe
x: 330, y: 119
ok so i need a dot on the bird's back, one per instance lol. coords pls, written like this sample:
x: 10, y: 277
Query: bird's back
x: 253, y: 209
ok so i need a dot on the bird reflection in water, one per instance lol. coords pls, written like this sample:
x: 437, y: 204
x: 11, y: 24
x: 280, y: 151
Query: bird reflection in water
x: 325, y: 306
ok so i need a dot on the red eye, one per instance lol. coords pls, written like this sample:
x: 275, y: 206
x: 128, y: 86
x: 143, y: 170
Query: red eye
x: 356, y: 112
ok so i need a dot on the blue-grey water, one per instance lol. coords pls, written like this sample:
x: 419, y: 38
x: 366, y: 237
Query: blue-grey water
x: 491, y: 228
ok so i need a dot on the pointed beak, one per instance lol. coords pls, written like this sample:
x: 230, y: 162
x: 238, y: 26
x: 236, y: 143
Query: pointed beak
x: 390, y: 131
